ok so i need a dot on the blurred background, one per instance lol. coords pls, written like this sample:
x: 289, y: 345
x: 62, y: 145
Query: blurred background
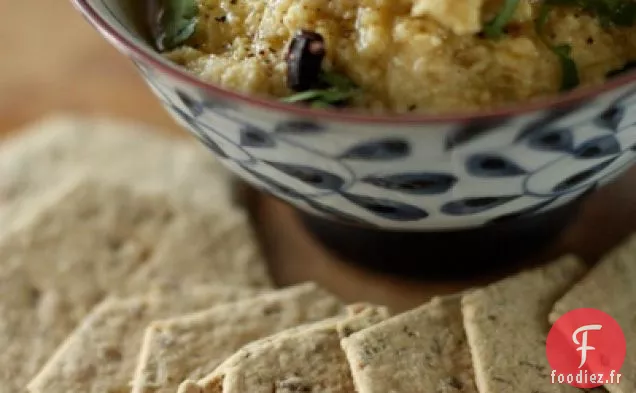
x: 53, y: 61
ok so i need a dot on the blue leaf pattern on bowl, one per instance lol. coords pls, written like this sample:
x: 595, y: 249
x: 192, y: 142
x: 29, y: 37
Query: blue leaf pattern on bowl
x: 414, y: 183
x: 611, y: 118
x: 383, y: 149
x: 602, y: 146
x: 491, y: 165
x: 299, y: 127
x: 385, y: 208
x: 273, y: 184
x: 469, y: 133
x: 309, y: 175
x: 559, y: 139
x: 470, y: 206
x: 255, y: 137
x: 547, y: 121
x: 576, y: 180
x: 196, y: 108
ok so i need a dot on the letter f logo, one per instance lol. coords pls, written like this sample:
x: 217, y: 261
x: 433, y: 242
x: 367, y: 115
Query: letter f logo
x: 583, y: 344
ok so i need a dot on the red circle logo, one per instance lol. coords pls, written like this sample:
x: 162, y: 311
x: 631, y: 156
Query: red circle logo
x: 586, y: 348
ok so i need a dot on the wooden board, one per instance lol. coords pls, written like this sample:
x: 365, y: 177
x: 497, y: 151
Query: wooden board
x: 54, y: 61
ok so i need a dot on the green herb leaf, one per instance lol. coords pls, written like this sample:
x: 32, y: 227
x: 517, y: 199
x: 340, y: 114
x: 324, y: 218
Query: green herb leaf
x: 304, y: 96
x: 338, y: 89
x: 177, y: 22
x: 495, y: 28
x: 569, y: 70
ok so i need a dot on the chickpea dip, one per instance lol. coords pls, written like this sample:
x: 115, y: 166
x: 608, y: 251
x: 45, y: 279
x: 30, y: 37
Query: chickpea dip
x: 410, y: 56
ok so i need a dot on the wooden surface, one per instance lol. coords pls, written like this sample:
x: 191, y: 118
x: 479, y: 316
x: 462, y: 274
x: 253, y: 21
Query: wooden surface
x: 53, y: 61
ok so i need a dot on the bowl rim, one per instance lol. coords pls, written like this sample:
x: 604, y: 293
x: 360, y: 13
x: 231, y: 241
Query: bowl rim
x: 560, y: 101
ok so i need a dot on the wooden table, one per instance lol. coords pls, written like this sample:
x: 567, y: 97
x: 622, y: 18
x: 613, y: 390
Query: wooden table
x: 53, y: 61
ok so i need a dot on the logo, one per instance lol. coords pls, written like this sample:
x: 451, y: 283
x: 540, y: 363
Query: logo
x: 586, y: 348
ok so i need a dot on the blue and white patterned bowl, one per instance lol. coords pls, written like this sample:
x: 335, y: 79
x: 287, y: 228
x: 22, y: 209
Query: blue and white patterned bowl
x: 424, y: 173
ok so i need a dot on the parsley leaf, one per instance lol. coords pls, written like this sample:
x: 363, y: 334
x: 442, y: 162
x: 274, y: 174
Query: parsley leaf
x: 337, y: 90
x: 176, y: 22
x: 495, y: 28
x: 569, y: 70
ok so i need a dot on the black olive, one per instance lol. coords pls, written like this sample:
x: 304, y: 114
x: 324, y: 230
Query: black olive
x: 304, y: 60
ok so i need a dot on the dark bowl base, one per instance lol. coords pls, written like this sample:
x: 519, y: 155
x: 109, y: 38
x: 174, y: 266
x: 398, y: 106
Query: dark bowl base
x: 442, y: 255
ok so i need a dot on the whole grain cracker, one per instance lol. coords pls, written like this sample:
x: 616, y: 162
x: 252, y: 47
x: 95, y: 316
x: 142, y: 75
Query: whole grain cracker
x: 32, y: 323
x: 87, y: 241
x: 192, y: 346
x: 44, y: 153
x: 303, y: 359
x: 138, y: 157
x: 203, y: 247
x: 610, y: 287
x: 101, y: 354
x: 507, y: 324
x: 83, y: 244
x: 127, y: 242
x: 423, y: 350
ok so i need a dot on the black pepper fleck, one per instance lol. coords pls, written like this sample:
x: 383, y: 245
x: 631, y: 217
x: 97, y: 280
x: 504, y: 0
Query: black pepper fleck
x: 347, y: 331
x: 408, y: 332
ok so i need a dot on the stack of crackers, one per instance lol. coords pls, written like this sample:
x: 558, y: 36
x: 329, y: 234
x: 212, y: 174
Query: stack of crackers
x: 125, y: 267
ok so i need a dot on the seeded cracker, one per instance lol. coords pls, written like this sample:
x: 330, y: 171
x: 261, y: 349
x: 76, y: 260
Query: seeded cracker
x: 100, y: 355
x: 507, y: 324
x: 303, y: 359
x: 420, y: 351
x: 47, y: 152
x: 201, y: 248
x: 84, y: 243
x: 610, y: 287
x: 213, y: 382
x: 33, y: 323
x: 192, y: 346
x: 60, y: 263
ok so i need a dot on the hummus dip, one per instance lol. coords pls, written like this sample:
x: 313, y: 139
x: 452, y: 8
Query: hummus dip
x: 410, y: 55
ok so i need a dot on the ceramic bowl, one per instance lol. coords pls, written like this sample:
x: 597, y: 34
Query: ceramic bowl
x: 413, y: 173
